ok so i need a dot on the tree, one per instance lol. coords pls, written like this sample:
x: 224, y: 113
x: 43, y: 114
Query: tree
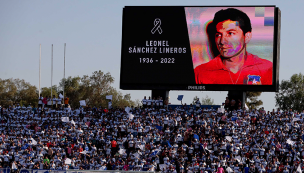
x: 13, y: 91
x: 94, y: 89
x: 291, y: 93
x: 252, y: 100
x: 119, y: 100
x: 8, y: 90
x: 46, y: 91
x: 30, y: 95
x: 207, y: 101
x: 71, y: 87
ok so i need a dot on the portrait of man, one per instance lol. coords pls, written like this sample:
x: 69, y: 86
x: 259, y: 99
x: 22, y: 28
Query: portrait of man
x: 230, y: 31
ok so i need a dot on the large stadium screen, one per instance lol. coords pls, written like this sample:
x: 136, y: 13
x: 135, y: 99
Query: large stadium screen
x: 200, y: 48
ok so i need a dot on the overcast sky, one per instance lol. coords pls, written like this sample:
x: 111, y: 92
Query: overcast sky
x: 92, y: 31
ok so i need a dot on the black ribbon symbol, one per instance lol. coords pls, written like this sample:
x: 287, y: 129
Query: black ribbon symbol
x: 156, y: 27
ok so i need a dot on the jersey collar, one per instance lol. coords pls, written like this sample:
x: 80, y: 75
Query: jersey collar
x: 251, y: 60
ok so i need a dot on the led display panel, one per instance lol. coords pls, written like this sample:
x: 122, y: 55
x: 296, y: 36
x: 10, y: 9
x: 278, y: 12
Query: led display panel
x: 200, y: 48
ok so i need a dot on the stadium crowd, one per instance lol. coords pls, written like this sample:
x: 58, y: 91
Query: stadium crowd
x: 153, y: 137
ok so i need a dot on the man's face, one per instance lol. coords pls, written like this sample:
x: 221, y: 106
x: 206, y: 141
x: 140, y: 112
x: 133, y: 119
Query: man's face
x: 230, y: 39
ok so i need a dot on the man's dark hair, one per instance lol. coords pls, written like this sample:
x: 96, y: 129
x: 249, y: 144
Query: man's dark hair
x: 233, y: 15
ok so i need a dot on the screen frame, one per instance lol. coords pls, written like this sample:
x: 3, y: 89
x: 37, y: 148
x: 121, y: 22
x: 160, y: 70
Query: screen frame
x: 212, y: 87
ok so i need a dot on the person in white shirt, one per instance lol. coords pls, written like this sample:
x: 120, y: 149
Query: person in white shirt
x: 40, y: 102
x: 197, y: 104
x: 58, y: 101
x: 157, y: 103
x: 49, y: 102
x: 144, y: 102
x: 161, y: 102
x: 54, y: 102
x: 153, y: 103
x: 149, y: 103
x: 286, y: 170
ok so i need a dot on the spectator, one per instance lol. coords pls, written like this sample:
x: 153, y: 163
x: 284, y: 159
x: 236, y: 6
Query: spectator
x: 66, y: 101
x: 174, y: 140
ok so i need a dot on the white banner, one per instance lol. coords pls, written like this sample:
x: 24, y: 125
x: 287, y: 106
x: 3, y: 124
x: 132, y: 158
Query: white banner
x: 290, y: 142
x: 73, y: 122
x: 14, y: 166
x: 299, y: 169
x: 68, y: 161
x: 82, y: 103
x: 246, y: 107
x: 210, y: 151
x: 121, y: 151
x: 296, y: 119
x: 84, y: 152
x: 131, y: 116
x: 142, y: 147
x: 127, y: 109
x: 229, y: 170
x: 34, y: 142
x: 109, y: 97
x: 221, y: 110
x: 238, y: 158
x: 229, y: 138
x: 65, y: 119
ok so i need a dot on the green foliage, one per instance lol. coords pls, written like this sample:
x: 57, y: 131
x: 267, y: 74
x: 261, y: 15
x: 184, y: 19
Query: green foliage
x: 94, y: 89
x: 46, y: 91
x: 120, y: 100
x: 207, y: 101
x: 13, y: 91
x: 252, y: 99
x: 291, y: 93
x: 204, y: 101
x: 71, y: 89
